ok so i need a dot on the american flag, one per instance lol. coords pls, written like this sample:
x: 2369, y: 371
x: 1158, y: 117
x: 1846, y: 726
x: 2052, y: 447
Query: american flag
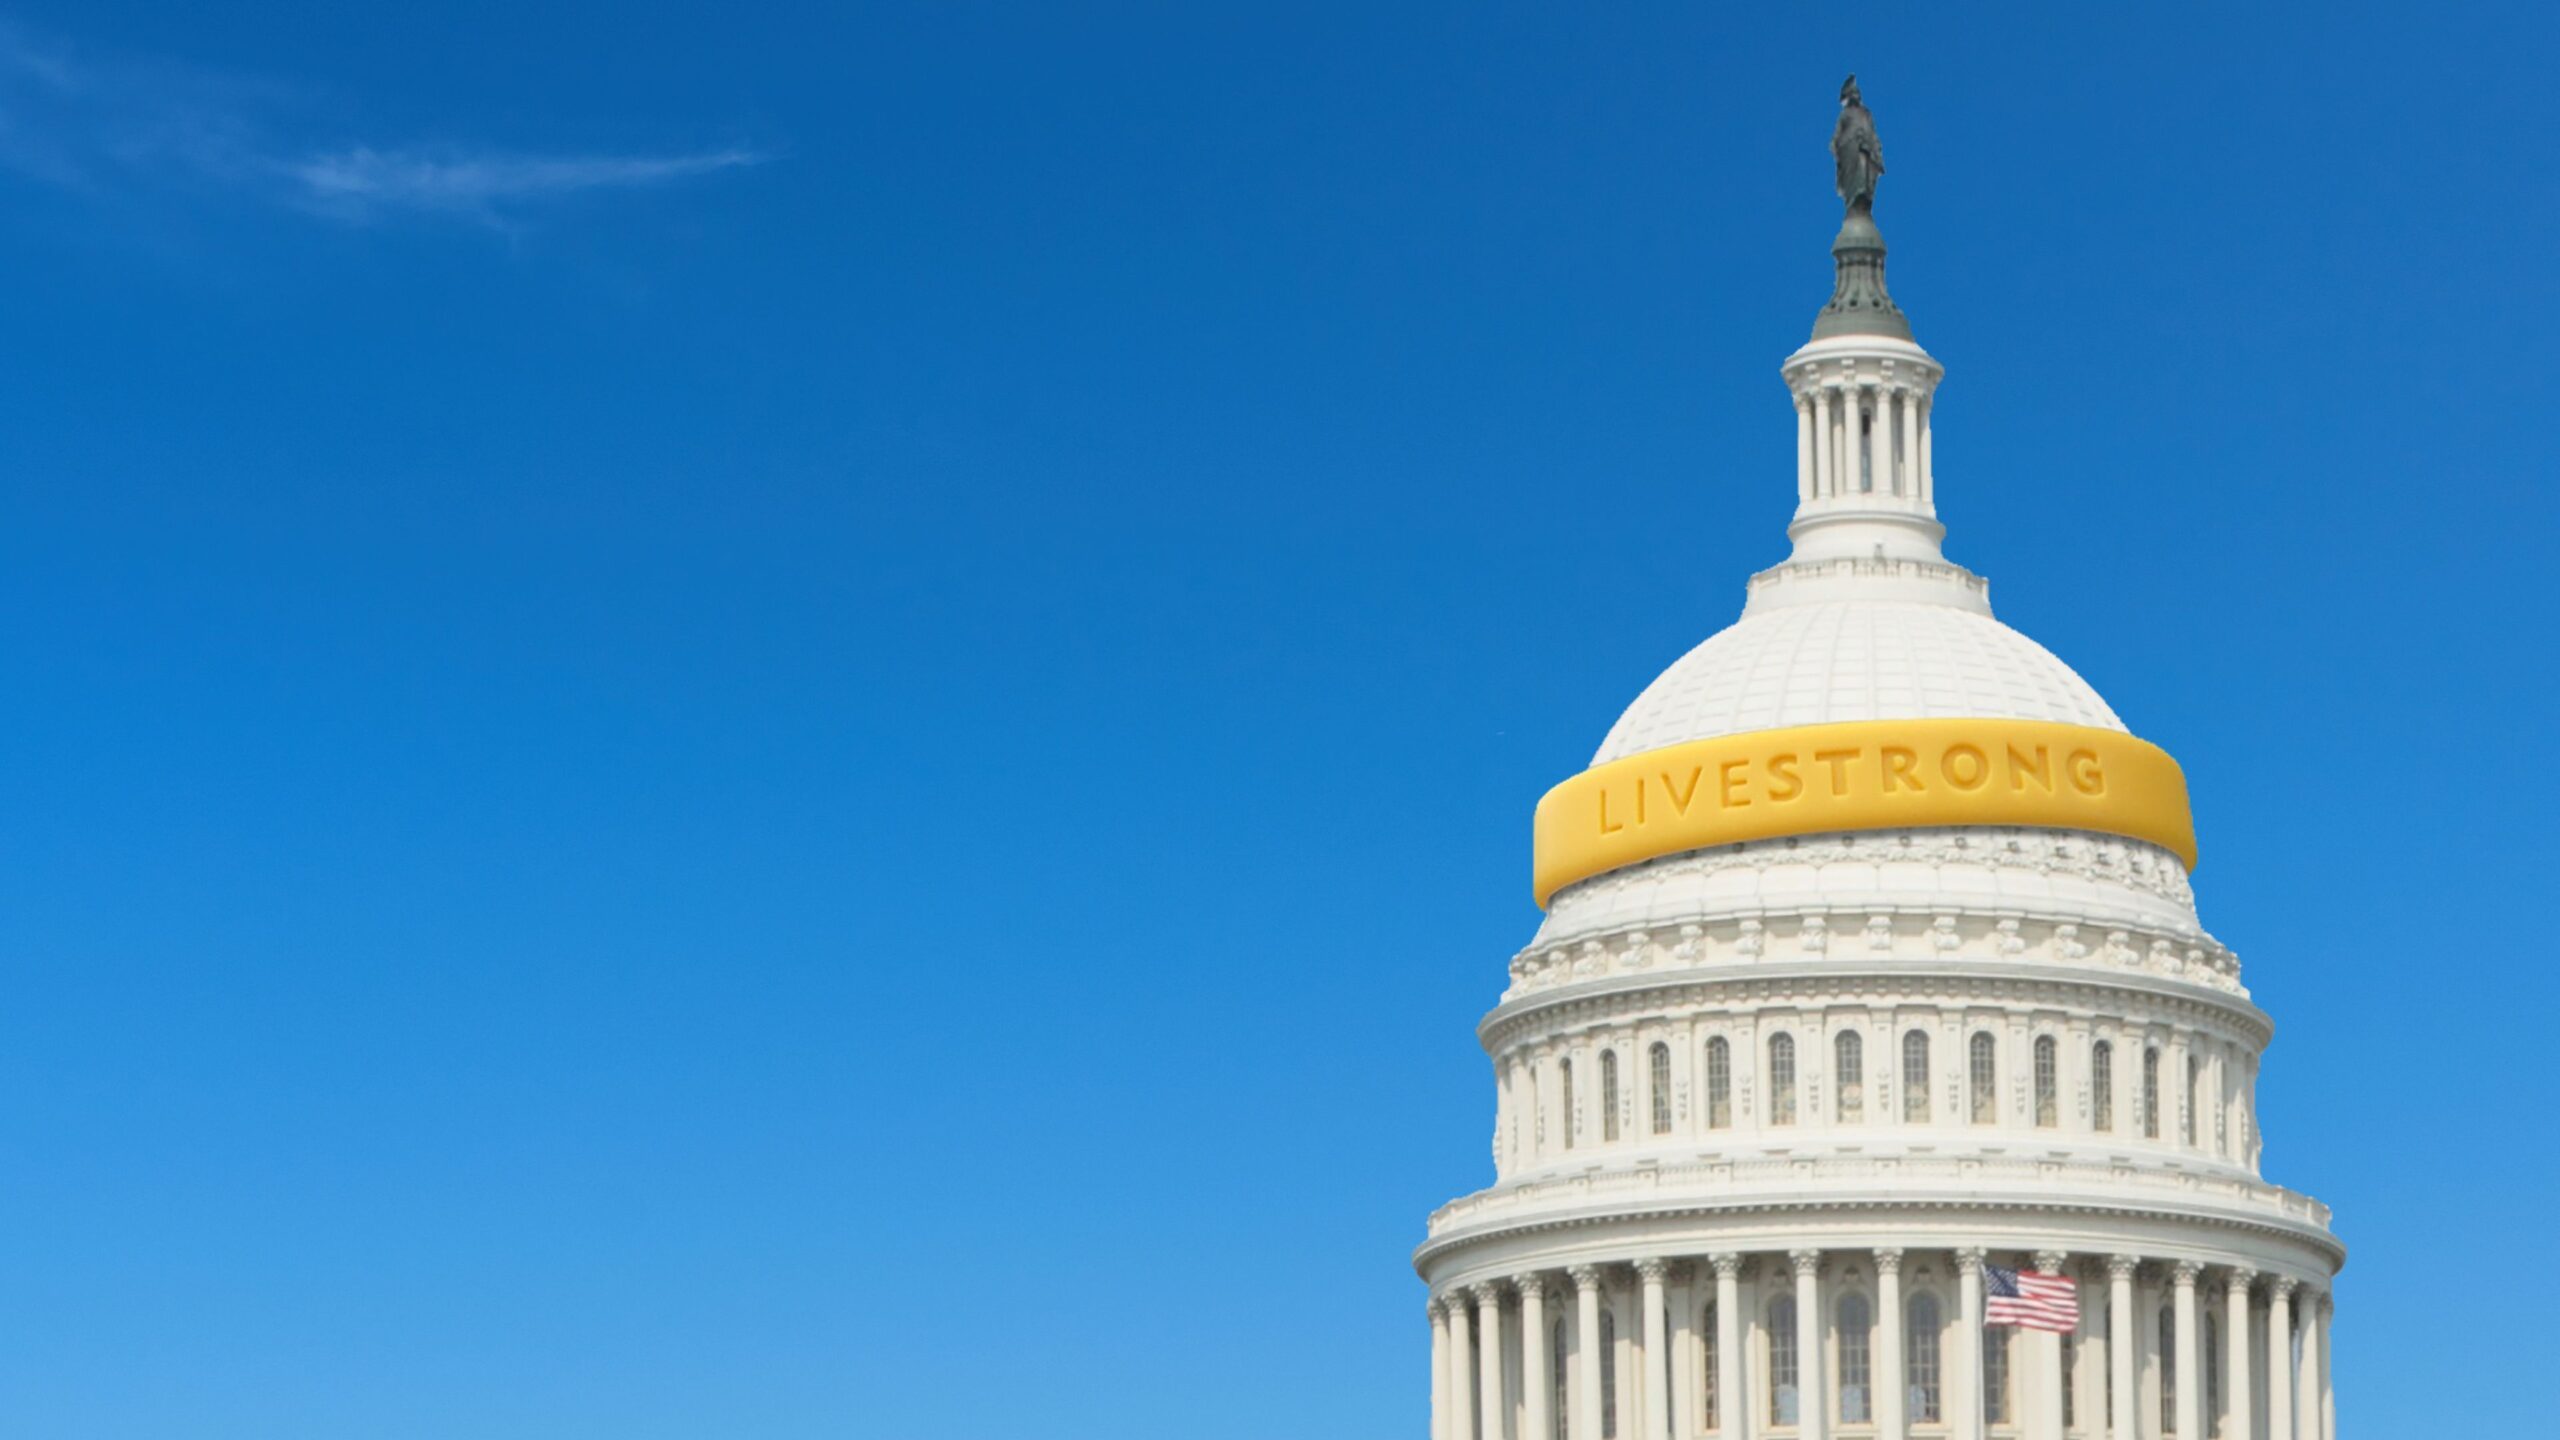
x: 2030, y: 1301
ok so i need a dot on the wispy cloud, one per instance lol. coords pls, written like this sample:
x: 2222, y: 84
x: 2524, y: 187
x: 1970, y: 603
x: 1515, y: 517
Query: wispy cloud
x: 362, y: 182
x: 122, y: 127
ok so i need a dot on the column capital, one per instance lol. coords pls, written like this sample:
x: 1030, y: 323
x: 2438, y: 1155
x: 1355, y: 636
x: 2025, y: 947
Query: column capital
x: 1806, y: 1261
x: 1888, y: 1261
x: 1432, y: 1308
x: 2183, y: 1273
x: 1488, y: 1292
x: 2281, y: 1287
x: 1453, y: 1302
x: 1653, y: 1270
x: 1971, y: 1257
x: 2328, y: 1304
x: 2242, y: 1277
x: 1530, y: 1282
x: 1727, y: 1265
x: 2049, y: 1262
x: 2121, y: 1267
x: 1585, y: 1277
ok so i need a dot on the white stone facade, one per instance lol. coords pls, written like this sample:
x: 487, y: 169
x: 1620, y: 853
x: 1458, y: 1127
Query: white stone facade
x: 1763, y: 1111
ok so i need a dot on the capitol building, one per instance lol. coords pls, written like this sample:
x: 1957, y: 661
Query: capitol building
x: 1870, y: 980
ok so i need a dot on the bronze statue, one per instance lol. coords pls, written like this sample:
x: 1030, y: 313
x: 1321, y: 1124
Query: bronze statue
x: 1857, y: 160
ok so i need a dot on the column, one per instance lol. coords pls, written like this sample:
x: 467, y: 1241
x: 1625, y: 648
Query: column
x: 1462, y: 1368
x: 1586, y: 1352
x: 1489, y: 1360
x: 1824, y: 470
x: 1813, y: 1406
x: 2045, y: 1349
x: 2235, y: 1368
x: 1911, y: 444
x: 2306, y: 1391
x: 2280, y: 1359
x: 1685, y: 1416
x: 1889, y: 403
x: 1928, y: 462
x: 2190, y: 1354
x: 1729, y: 1403
x: 1439, y: 1372
x: 2120, y: 1414
x: 1657, y: 1350
x: 2328, y: 1395
x: 1890, y: 1395
x: 1537, y: 1356
x: 1804, y: 448
x: 1964, y: 1412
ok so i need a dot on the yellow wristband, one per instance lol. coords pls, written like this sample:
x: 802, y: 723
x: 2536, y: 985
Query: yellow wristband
x: 1861, y: 775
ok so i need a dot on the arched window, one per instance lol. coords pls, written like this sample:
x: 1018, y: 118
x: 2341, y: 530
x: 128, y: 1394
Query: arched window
x: 2168, y: 1371
x: 1849, y: 1074
x: 1856, y: 1379
x: 1608, y: 1094
x: 1920, y: 1360
x: 1986, y: 1078
x: 2212, y: 1374
x: 2048, y: 1085
x: 2102, y: 1085
x: 1710, y: 1401
x: 1782, y: 1079
x: 1556, y: 1372
x: 1608, y: 1372
x: 1564, y: 1073
x: 1719, y: 1084
x: 1995, y: 1374
x: 2151, y: 1092
x: 2187, y: 1121
x: 1783, y: 1377
x: 1915, y: 1076
x: 1658, y: 1065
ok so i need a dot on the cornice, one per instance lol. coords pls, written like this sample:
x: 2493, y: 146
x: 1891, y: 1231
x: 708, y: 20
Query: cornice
x: 1625, y: 999
x: 1906, y: 1210
x: 1877, y: 934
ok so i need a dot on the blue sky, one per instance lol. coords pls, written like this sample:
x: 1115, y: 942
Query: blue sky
x: 819, y: 720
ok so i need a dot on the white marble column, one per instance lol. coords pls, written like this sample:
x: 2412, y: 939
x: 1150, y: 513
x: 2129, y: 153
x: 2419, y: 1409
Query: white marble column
x: 2120, y: 1413
x: 1928, y: 464
x: 2190, y: 1352
x: 2328, y: 1394
x: 1657, y: 1349
x: 1813, y: 1405
x: 1489, y: 1360
x: 1882, y: 441
x: 1439, y: 1372
x: 1911, y: 444
x: 1891, y: 1397
x: 1729, y: 1403
x: 1965, y: 1411
x: 2045, y: 1348
x: 1462, y: 1367
x: 1824, y: 449
x: 1804, y: 448
x: 1537, y: 1359
x: 2280, y: 1359
x: 2306, y: 1394
x: 1586, y: 1352
x: 2235, y: 1368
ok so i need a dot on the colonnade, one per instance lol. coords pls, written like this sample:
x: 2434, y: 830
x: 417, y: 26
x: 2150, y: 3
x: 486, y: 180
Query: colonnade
x: 1740, y: 1347
x: 1854, y: 439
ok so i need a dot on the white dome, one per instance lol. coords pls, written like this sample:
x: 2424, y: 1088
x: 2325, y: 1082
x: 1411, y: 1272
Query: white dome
x: 1861, y: 659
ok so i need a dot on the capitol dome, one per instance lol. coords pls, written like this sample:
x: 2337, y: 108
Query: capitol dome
x: 1871, y: 1074
x: 1853, y: 659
